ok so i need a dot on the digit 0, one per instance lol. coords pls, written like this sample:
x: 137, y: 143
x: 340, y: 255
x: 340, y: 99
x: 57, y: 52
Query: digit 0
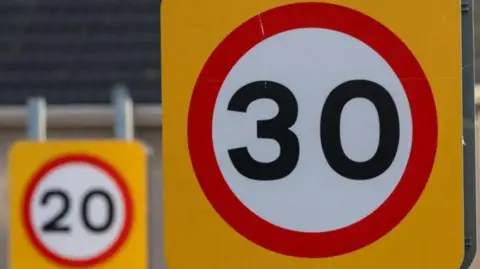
x: 55, y: 223
x: 389, y: 129
x: 278, y: 129
x: 110, y: 211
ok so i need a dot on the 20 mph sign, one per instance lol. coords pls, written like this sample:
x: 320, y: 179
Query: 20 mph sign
x: 77, y: 204
x: 77, y: 210
x: 311, y: 134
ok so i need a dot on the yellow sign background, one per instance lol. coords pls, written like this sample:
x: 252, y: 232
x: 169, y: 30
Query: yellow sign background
x: 431, y: 236
x: 128, y: 158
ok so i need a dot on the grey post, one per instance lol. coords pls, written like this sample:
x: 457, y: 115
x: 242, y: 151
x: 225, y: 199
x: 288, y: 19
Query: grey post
x: 124, y: 126
x: 37, y: 119
x: 469, y: 162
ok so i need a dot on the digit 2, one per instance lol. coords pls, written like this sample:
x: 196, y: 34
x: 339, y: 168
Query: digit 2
x: 278, y: 129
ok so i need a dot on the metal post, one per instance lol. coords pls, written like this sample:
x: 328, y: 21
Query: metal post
x: 469, y: 155
x: 123, y: 126
x: 37, y: 119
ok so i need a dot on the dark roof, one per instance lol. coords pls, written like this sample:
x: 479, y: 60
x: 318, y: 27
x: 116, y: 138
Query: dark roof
x: 74, y: 51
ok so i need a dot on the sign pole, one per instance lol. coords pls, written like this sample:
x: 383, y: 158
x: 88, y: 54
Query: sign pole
x: 468, y: 91
x: 123, y: 126
x: 37, y: 118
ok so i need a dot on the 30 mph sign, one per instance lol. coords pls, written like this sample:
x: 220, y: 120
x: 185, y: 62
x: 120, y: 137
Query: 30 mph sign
x: 78, y: 205
x: 310, y: 135
x: 314, y: 157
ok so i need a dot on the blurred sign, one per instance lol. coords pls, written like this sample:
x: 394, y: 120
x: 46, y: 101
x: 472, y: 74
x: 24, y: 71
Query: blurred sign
x: 312, y: 135
x: 78, y: 204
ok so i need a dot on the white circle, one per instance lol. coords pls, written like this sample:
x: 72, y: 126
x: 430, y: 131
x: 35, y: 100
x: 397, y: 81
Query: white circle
x: 77, y: 180
x: 311, y: 63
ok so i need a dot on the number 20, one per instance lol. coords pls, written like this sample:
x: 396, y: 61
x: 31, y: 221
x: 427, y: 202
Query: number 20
x: 278, y: 129
x: 54, y: 224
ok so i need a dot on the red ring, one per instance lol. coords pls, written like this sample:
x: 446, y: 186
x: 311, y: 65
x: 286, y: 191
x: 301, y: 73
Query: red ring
x: 118, y: 180
x: 424, y: 137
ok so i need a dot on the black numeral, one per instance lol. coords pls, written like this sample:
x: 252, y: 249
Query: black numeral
x: 110, y: 211
x: 389, y: 130
x: 55, y: 223
x: 278, y: 129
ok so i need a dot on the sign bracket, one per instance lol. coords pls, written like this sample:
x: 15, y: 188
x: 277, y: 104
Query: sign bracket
x: 37, y: 118
x: 124, y: 122
x: 124, y: 126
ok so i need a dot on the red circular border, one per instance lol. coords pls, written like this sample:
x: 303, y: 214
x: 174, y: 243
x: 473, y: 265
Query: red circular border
x: 113, y: 174
x: 424, y: 137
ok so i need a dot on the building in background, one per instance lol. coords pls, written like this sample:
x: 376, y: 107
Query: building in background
x: 73, y: 51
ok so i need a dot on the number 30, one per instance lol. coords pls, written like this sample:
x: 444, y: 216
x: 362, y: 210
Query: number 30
x: 278, y: 129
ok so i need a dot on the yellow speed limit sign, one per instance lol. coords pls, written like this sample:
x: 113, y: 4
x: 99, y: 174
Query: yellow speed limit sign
x: 312, y: 134
x: 78, y: 204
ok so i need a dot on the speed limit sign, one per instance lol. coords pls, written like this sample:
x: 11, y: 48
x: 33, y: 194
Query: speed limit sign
x: 74, y: 205
x: 357, y: 145
x: 312, y: 134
